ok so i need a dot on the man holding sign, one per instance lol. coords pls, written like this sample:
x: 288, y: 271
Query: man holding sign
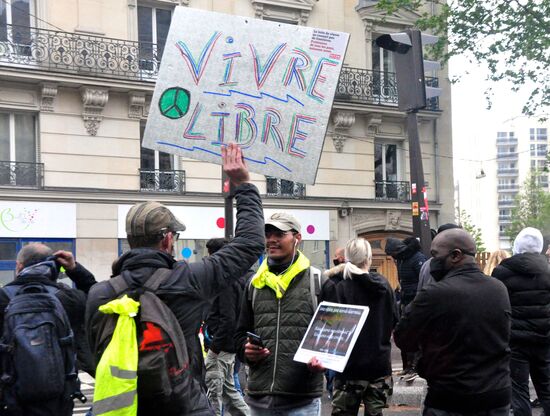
x: 276, y: 310
x: 152, y: 231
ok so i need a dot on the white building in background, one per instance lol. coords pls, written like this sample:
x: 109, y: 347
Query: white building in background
x: 76, y: 79
x: 522, y: 147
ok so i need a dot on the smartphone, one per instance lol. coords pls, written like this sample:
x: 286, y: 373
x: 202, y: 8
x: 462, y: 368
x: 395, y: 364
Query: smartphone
x: 255, y: 339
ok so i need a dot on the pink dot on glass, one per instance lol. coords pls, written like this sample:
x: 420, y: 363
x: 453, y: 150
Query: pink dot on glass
x: 220, y: 222
x: 310, y: 229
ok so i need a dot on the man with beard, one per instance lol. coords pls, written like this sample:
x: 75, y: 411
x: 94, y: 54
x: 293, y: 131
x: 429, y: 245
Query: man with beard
x: 461, y: 323
x: 277, y: 307
x: 527, y: 278
x: 152, y: 232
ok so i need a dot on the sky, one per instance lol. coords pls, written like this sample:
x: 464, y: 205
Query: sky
x: 474, y: 135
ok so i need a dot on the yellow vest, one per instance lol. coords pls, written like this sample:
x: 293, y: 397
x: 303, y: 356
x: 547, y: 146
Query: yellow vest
x: 116, y: 374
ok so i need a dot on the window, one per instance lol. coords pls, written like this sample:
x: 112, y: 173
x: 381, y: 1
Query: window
x: 157, y: 170
x: 542, y: 134
x: 15, y: 23
x: 10, y: 247
x: 153, y: 25
x: 532, y: 149
x: 385, y: 162
x: 18, y: 150
x: 383, y: 70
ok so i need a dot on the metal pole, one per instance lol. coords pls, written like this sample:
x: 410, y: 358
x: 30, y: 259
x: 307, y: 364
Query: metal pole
x: 227, y: 192
x: 419, y: 195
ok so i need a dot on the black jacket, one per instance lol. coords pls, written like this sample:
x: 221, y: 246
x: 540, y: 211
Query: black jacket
x: 335, y: 275
x: 281, y: 323
x: 371, y: 355
x: 191, y: 286
x: 527, y: 278
x: 73, y: 301
x: 462, y: 326
x: 223, y: 316
x: 409, y: 260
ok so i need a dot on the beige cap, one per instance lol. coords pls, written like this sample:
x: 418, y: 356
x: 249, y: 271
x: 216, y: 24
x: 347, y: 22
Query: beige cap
x: 284, y: 222
x: 151, y: 218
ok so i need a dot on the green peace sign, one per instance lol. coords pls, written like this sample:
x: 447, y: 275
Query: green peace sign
x: 174, y: 102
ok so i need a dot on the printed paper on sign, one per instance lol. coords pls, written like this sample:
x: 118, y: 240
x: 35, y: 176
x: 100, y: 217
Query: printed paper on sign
x: 265, y: 85
x: 332, y: 334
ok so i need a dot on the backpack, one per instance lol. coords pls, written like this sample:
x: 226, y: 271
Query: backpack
x: 316, y: 282
x: 37, y: 352
x: 163, y: 376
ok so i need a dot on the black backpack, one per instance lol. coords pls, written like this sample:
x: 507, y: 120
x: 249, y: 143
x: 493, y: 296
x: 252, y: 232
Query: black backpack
x: 37, y: 353
x: 164, y: 377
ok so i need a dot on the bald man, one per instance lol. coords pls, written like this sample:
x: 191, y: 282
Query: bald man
x: 461, y: 323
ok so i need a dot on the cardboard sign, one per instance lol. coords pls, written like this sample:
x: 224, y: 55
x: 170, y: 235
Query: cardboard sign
x: 331, y: 334
x: 268, y: 86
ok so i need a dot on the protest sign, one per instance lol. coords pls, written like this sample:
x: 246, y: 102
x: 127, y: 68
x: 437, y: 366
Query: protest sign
x: 267, y: 86
x: 331, y: 334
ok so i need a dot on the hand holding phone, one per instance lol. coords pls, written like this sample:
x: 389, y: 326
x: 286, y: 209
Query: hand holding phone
x: 255, y: 339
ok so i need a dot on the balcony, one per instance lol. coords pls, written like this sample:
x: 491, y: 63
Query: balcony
x: 504, y: 218
x: 71, y: 53
x: 507, y: 155
x: 506, y: 203
x: 169, y: 181
x: 281, y: 188
x: 507, y: 140
x: 22, y: 174
x: 392, y: 191
x: 508, y: 188
x: 98, y: 56
x: 374, y: 87
x: 508, y: 171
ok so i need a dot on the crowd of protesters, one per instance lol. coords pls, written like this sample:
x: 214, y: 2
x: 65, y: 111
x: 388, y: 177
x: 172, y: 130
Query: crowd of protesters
x: 476, y: 337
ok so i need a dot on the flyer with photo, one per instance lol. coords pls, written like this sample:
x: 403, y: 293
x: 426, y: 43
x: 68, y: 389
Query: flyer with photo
x: 331, y: 334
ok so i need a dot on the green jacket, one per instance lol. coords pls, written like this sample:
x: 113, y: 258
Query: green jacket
x: 282, y: 325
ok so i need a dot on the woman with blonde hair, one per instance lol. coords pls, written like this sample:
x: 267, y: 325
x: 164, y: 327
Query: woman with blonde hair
x: 494, y: 260
x: 367, y: 376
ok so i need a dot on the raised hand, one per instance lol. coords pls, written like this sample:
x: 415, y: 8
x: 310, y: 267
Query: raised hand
x: 234, y: 164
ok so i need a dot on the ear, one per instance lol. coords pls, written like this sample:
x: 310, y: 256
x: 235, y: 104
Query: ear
x: 165, y: 242
x: 298, y: 238
x: 18, y: 267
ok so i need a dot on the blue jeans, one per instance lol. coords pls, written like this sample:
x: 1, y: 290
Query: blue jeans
x: 311, y: 409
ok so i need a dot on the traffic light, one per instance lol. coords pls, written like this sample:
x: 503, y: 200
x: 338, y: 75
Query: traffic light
x: 410, y: 67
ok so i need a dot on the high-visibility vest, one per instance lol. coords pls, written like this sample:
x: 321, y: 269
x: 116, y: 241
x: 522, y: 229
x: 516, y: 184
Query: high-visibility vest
x: 116, y: 374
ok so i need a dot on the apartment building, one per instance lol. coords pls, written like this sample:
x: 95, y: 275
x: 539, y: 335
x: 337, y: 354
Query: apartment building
x: 76, y: 80
x: 520, y: 150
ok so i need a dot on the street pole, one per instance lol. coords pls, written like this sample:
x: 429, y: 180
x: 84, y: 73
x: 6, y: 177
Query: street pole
x: 227, y: 192
x: 419, y: 195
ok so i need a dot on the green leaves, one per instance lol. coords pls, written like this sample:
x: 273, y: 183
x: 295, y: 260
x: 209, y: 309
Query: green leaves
x: 532, y: 208
x: 511, y: 38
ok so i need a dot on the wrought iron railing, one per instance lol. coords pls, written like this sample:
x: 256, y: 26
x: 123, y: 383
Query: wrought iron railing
x: 78, y: 54
x: 281, y: 188
x: 506, y: 203
x: 162, y: 180
x: 363, y: 85
x: 21, y: 174
x: 392, y: 190
x: 375, y: 87
x: 100, y: 56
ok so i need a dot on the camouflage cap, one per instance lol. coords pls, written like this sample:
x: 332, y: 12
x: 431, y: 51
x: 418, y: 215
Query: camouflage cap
x: 151, y: 218
x: 284, y: 222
